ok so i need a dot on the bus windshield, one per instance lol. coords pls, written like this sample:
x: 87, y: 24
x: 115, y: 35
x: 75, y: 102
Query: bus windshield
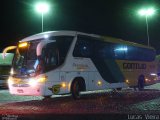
x: 25, y: 58
x: 52, y: 55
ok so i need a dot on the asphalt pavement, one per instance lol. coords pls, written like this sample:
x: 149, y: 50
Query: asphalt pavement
x: 126, y: 102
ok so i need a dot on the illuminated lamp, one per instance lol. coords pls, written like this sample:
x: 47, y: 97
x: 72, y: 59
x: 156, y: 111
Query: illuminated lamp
x: 23, y: 44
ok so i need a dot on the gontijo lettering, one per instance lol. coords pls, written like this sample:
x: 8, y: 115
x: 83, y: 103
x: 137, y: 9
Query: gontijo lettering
x: 134, y: 66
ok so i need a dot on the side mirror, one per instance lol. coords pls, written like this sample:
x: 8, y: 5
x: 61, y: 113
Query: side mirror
x: 7, y: 49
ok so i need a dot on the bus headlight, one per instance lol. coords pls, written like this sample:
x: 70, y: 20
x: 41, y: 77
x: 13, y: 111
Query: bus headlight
x: 42, y: 78
x: 32, y: 82
x: 36, y: 80
x: 11, y: 72
x: 10, y: 81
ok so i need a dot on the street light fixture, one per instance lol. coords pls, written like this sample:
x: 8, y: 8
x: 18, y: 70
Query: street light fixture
x: 42, y: 8
x: 147, y: 12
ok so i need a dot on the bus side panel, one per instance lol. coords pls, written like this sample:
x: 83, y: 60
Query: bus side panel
x: 133, y: 69
x: 53, y: 79
x: 109, y: 70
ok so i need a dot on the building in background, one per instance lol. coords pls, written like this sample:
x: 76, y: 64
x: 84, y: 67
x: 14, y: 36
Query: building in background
x: 5, y: 66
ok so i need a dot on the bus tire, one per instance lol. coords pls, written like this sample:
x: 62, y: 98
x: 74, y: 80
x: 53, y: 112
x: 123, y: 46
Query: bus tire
x: 77, y: 86
x: 47, y: 97
x: 141, y: 82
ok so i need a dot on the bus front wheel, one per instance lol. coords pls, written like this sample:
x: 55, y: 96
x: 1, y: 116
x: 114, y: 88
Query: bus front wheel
x: 47, y: 97
x: 77, y: 86
x: 75, y: 89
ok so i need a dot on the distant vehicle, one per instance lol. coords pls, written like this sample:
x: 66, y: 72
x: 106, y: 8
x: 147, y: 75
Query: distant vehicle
x: 5, y: 66
x: 62, y: 62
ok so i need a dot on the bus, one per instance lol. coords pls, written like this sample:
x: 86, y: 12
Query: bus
x: 70, y: 62
x: 5, y: 66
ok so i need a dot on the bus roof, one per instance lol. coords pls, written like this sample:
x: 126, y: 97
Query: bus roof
x: 116, y: 40
x: 73, y: 33
x: 55, y: 33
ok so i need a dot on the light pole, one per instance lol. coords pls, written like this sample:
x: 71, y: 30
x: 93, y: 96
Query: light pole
x: 42, y: 8
x: 147, y: 12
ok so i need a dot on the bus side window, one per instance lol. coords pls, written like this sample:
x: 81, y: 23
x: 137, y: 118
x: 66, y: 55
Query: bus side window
x: 50, y: 56
x: 140, y: 54
x: 103, y: 50
x: 119, y: 51
x: 83, y: 47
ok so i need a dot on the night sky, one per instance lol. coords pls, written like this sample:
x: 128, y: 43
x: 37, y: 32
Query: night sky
x: 116, y: 18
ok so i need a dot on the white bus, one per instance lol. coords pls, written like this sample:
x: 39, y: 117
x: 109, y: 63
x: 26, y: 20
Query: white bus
x: 62, y: 62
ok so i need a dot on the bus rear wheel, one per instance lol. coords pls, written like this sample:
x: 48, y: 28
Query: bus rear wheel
x: 141, y: 82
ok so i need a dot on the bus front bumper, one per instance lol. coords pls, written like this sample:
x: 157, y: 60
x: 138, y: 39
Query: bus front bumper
x: 26, y: 90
